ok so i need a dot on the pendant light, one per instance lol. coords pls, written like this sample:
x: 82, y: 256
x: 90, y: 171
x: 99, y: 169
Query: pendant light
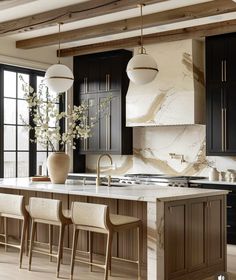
x: 142, y: 68
x: 59, y: 78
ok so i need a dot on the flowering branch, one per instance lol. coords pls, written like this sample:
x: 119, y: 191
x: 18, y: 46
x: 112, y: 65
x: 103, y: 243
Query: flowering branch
x: 46, y: 118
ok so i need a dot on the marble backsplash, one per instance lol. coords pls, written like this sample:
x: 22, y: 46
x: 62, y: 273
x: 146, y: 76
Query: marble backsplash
x: 176, y: 96
x: 152, y: 148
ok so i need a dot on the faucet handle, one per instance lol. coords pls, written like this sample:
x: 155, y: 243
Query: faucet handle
x: 108, y: 177
x: 109, y: 180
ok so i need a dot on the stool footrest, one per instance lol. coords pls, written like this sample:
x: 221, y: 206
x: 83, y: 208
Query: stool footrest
x: 87, y: 262
x: 10, y: 245
x: 45, y: 253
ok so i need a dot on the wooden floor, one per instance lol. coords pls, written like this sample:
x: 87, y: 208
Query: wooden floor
x: 43, y: 269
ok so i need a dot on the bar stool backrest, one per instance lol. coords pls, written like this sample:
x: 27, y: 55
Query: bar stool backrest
x: 45, y: 209
x: 90, y: 215
x: 12, y: 204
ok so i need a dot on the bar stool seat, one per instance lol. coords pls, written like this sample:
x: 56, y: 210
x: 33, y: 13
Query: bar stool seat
x: 96, y: 218
x: 120, y: 220
x: 13, y: 206
x: 48, y: 211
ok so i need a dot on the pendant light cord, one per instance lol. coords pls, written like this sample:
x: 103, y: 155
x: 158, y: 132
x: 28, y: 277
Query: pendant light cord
x: 59, y: 45
x: 141, y: 12
x: 142, y: 49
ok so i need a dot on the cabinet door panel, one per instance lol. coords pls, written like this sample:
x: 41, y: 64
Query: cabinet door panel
x: 81, y: 81
x: 197, y: 235
x: 214, y: 118
x: 115, y: 123
x: 176, y: 238
x: 216, y: 230
x: 90, y: 144
x: 93, y: 75
x: 103, y: 124
x: 215, y: 55
x: 230, y: 58
x: 230, y: 117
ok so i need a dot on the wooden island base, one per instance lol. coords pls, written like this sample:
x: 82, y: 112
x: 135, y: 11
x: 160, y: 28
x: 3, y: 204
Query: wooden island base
x: 183, y: 238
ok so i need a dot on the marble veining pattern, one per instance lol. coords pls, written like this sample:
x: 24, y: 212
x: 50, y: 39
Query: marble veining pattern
x: 152, y: 146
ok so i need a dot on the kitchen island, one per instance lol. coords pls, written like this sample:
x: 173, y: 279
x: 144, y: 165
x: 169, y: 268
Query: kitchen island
x: 184, y: 228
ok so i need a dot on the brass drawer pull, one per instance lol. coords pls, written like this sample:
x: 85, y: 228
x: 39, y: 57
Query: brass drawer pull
x: 229, y: 207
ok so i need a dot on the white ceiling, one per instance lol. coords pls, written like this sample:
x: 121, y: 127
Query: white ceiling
x: 38, y: 6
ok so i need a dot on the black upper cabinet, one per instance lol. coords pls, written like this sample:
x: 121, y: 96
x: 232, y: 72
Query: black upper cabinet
x: 221, y: 94
x: 98, y: 76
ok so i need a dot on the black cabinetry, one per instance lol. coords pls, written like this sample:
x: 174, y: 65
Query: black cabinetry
x: 97, y: 77
x: 221, y: 94
x: 231, y: 208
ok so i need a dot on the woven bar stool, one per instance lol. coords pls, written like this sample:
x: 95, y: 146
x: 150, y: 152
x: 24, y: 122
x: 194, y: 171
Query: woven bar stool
x: 96, y: 218
x: 13, y: 206
x: 47, y: 211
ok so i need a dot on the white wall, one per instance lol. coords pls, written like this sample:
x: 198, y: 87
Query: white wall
x: 39, y: 58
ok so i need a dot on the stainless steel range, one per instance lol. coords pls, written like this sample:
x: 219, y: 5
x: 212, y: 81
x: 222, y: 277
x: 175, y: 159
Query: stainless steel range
x: 158, y: 179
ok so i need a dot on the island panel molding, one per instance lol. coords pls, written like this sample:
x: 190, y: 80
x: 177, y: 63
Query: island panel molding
x: 176, y: 96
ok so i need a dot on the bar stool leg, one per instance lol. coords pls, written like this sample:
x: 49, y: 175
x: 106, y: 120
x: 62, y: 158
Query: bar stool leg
x: 108, y: 254
x: 50, y: 241
x: 6, y: 232
x: 32, y: 235
x: 140, y: 246
x: 91, y: 249
x: 27, y: 238
x: 60, y: 247
x: 23, y: 232
x: 74, y: 245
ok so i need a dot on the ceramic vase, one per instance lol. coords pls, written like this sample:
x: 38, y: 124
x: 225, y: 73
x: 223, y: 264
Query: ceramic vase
x: 58, y: 164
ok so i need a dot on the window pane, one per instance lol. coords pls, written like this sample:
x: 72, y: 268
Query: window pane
x: 9, y: 164
x: 9, y: 84
x: 41, y: 148
x: 23, y: 112
x: 42, y: 161
x: 9, y: 137
x: 23, y: 164
x: 9, y: 111
x: 25, y: 77
x: 23, y: 138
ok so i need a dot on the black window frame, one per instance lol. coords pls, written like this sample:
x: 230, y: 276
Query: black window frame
x: 33, y: 74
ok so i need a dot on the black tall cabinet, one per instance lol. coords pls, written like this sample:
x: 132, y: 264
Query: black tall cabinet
x: 97, y: 77
x: 221, y: 94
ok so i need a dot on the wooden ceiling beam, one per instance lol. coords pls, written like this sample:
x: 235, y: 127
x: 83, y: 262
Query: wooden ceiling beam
x: 85, y: 10
x: 171, y: 16
x: 174, y: 35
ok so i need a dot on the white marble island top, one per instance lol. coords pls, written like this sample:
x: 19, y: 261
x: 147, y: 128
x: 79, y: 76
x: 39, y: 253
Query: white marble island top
x: 146, y: 193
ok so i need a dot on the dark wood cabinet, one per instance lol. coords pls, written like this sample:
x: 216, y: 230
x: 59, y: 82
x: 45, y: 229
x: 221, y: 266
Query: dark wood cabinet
x: 221, y: 95
x: 194, y: 236
x: 97, y: 77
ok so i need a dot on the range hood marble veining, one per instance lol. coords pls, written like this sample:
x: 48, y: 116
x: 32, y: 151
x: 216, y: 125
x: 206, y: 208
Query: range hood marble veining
x: 176, y: 96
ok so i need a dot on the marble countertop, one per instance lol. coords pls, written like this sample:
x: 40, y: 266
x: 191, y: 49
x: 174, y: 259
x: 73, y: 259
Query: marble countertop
x: 147, y: 193
x: 206, y: 181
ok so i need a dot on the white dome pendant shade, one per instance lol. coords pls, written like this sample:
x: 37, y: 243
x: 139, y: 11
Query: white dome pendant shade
x: 59, y: 78
x: 142, y: 69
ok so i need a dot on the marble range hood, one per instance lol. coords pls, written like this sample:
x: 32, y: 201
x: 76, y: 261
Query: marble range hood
x: 177, y: 95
